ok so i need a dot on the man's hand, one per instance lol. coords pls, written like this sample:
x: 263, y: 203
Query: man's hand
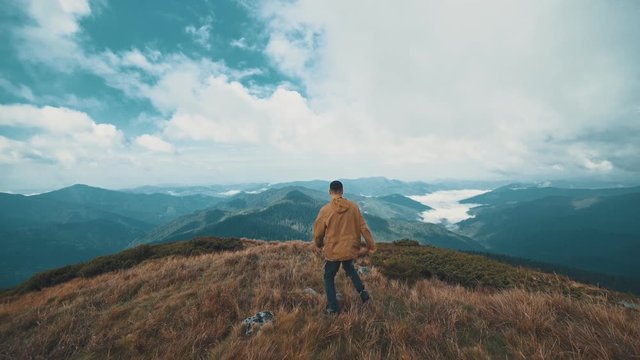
x: 364, y: 251
x: 316, y: 250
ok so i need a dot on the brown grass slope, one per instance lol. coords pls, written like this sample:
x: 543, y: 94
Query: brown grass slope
x: 193, y: 307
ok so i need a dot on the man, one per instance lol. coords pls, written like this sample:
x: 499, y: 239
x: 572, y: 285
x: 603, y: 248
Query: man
x: 338, y: 230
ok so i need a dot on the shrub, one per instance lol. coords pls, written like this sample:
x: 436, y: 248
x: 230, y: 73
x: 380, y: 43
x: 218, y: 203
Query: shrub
x: 398, y: 267
x: 408, y: 262
x: 50, y: 278
x: 406, y: 242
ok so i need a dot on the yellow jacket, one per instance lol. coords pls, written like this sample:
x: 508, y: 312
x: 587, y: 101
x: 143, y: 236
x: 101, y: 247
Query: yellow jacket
x: 338, y: 229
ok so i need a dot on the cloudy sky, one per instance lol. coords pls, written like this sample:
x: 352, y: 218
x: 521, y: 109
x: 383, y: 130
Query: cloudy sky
x: 124, y: 93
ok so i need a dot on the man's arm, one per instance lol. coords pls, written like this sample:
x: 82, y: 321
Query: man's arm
x: 366, y: 233
x: 319, y: 228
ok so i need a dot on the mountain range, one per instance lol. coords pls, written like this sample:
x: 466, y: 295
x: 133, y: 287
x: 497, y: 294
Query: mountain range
x: 596, y: 230
x: 288, y: 214
x: 77, y: 223
x: 369, y: 186
x: 80, y: 222
x: 515, y: 193
x: 592, y: 230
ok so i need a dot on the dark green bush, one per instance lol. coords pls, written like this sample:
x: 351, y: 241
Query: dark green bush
x: 52, y: 277
x: 122, y: 260
x: 406, y: 242
x: 410, y: 262
x: 398, y: 267
x: 405, y: 268
x: 197, y: 246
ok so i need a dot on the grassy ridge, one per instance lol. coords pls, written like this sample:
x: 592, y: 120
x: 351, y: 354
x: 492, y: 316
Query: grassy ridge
x: 124, y: 260
x: 403, y: 259
x: 193, y: 307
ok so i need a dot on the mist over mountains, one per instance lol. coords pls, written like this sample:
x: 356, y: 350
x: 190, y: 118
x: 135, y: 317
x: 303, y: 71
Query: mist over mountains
x: 371, y: 186
x: 594, y: 230
x: 288, y: 214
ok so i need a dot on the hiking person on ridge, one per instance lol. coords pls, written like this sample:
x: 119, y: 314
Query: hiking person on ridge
x: 338, y: 229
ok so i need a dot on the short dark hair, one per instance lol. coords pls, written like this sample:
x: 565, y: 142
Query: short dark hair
x: 336, y: 186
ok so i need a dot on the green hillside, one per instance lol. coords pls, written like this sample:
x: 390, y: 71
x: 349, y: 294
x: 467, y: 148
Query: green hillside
x: 404, y: 201
x: 77, y: 223
x: 39, y: 233
x: 599, y: 234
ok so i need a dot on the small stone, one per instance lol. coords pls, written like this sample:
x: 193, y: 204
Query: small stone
x: 310, y: 291
x: 255, y: 322
x: 629, y: 305
x: 364, y: 270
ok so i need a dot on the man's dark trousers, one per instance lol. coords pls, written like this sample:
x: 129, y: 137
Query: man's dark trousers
x: 330, y: 270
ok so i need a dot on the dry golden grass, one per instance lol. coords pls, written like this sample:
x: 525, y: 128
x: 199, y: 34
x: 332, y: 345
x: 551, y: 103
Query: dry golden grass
x: 193, y: 307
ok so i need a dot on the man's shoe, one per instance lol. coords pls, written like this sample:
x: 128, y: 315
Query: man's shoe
x: 330, y: 311
x: 364, y: 295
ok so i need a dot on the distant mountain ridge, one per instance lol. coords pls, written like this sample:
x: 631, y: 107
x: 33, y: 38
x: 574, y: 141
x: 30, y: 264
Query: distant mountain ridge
x: 516, y: 193
x: 590, y: 229
x: 288, y: 214
x: 368, y: 186
x: 80, y: 222
x: 151, y: 208
x: 594, y: 230
x: 371, y: 186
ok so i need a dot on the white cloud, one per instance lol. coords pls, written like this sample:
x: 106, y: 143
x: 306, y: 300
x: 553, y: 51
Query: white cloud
x: 135, y: 58
x: 590, y: 159
x: 602, y: 165
x: 203, y: 100
x: 52, y: 35
x: 242, y: 43
x: 466, y: 88
x: 596, y: 165
x: 21, y: 91
x: 154, y: 143
x: 291, y: 55
x: 421, y: 89
x: 11, y: 151
x: 59, y: 17
x: 61, y: 135
x: 51, y: 119
x: 224, y: 111
x: 201, y: 34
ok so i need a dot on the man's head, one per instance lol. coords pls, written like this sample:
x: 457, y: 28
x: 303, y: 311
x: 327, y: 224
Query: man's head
x: 335, y: 188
